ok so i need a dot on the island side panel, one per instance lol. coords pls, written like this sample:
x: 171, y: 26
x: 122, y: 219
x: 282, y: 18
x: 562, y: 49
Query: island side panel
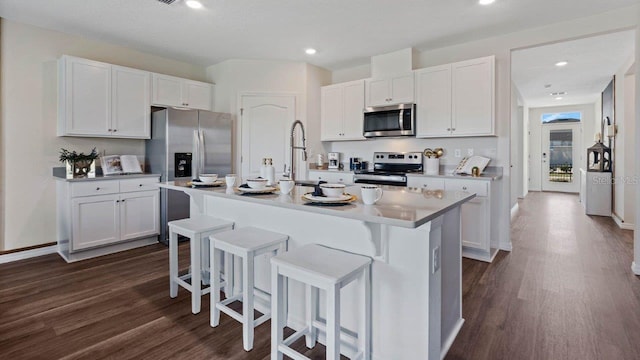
x: 400, y: 287
x: 451, y: 278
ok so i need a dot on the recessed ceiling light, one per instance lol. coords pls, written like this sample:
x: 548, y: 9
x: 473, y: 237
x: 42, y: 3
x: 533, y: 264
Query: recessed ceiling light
x: 486, y: 2
x: 194, y: 4
x: 310, y: 51
x: 559, y: 98
x: 561, y: 63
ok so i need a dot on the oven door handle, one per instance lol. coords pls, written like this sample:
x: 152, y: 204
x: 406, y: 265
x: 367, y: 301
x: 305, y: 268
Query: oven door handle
x: 401, y: 119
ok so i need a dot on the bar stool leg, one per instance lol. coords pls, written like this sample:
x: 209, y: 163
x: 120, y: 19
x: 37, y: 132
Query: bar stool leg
x: 196, y: 275
x: 173, y: 264
x: 285, y: 287
x: 214, y: 296
x: 364, y: 333
x: 228, y: 275
x: 205, y: 260
x: 333, y: 322
x: 247, y: 301
x: 277, y: 323
x: 312, y: 315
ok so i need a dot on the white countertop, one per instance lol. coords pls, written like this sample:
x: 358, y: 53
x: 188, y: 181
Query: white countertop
x: 490, y: 174
x: 403, y: 207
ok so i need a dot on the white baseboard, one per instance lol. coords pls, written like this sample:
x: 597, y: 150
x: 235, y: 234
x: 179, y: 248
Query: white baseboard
x: 636, y: 268
x: 621, y: 224
x: 514, y: 210
x: 21, y: 255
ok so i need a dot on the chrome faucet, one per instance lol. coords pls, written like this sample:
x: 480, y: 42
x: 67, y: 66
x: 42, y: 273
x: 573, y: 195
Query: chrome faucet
x: 294, y: 147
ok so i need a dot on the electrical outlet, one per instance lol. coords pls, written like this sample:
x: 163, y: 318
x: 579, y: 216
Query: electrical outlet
x: 435, y: 260
x: 457, y: 153
x: 469, y: 152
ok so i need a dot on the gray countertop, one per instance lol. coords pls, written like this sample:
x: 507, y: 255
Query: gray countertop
x: 399, y: 206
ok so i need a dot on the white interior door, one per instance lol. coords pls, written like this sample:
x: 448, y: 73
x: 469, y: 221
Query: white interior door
x: 266, y: 121
x: 561, y: 158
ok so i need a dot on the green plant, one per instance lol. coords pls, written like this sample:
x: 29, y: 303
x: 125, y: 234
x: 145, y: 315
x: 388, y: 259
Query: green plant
x: 73, y: 156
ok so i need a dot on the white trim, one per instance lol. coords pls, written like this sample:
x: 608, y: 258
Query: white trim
x: 621, y: 224
x: 27, y: 254
x: 636, y: 268
x: 452, y: 336
x: 514, y: 211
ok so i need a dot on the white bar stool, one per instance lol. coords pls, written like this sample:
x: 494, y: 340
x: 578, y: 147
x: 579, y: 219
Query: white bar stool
x: 320, y: 268
x: 197, y: 229
x: 246, y: 243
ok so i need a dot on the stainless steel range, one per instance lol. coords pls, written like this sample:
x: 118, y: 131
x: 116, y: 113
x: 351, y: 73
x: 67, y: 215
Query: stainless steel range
x: 390, y: 168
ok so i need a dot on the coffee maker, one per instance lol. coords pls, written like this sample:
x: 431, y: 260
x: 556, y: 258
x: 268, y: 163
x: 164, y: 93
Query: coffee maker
x: 334, y: 160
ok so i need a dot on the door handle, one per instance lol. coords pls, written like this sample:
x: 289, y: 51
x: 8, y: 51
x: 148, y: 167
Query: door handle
x: 401, y: 120
x: 202, y: 152
x: 195, y: 160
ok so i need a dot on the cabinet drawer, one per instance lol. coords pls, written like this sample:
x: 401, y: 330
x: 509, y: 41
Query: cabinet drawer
x: 140, y: 184
x: 91, y: 188
x: 425, y: 183
x: 481, y: 188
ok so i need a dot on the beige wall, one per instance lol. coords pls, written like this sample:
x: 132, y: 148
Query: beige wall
x: 28, y: 122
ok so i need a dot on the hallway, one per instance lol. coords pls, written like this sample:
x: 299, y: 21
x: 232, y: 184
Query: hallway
x: 566, y: 291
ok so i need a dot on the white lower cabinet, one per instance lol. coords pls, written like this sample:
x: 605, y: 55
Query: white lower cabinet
x: 332, y: 177
x: 478, y: 216
x: 104, y: 216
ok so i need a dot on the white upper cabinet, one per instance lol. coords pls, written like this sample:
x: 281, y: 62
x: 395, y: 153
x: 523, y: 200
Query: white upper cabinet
x: 174, y: 91
x: 341, y: 111
x: 389, y: 91
x: 473, y: 96
x: 84, y: 97
x: 456, y: 99
x: 433, y: 101
x: 130, y: 102
x: 102, y: 100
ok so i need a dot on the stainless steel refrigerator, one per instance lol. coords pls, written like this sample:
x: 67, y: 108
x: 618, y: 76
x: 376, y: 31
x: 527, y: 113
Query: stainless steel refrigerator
x: 184, y: 144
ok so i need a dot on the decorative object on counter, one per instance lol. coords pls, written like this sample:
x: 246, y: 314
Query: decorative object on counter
x: 475, y: 171
x: 230, y: 179
x: 468, y: 163
x: 319, y: 161
x: 599, y: 158
x: 267, y: 171
x: 286, y: 185
x: 354, y: 164
x: 120, y: 164
x: 78, y: 165
x: 371, y: 194
x: 208, y: 178
x: 257, y: 183
x: 432, y: 161
x: 332, y: 190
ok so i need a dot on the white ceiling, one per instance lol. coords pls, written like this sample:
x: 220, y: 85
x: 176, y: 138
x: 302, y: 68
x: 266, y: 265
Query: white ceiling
x: 592, y: 63
x: 345, y: 32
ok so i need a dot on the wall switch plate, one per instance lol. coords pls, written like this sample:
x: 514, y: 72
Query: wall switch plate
x: 435, y: 260
x: 457, y: 153
x: 469, y: 152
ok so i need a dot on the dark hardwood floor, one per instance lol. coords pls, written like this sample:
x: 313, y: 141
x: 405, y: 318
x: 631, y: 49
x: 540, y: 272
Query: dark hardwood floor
x: 565, y: 292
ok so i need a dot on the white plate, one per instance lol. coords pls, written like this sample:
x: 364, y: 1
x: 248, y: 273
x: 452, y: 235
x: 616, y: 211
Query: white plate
x: 324, y: 199
x: 200, y: 183
x: 265, y: 190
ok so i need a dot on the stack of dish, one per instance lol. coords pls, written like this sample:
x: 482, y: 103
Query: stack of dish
x: 206, y: 180
x: 256, y: 186
x: 332, y: 194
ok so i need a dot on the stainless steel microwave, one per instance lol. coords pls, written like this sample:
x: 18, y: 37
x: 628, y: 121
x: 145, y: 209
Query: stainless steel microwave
x: 394, y: 120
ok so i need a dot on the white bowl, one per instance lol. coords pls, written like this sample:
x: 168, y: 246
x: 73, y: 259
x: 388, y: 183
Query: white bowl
x: 257, y: 183
x: 332, y: 190
x: 208, y: 178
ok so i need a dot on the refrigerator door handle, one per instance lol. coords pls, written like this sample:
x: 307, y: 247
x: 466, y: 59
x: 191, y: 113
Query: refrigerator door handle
x: 202, y: 152
x: 195, y: 161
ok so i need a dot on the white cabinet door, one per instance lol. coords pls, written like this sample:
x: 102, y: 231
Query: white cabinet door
x: 130, y: 103
x: 473, y: 97
x: 86, y: 103
x: 378, y: 92
x: 332, y: 177
x: 475, y: 223
x: 353, y: 111
x: 139, y: 215
x: 433, y: 101
x: 95, y: 221
x: 331, y: 112
x: 402, y: 89
x: 425, y: 183
x: 167, y: 90
x: 196, y: 95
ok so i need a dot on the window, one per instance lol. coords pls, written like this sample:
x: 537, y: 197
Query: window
x: 562, y: 117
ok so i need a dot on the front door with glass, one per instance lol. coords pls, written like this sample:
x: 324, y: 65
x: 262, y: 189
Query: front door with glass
x: 561, y: 154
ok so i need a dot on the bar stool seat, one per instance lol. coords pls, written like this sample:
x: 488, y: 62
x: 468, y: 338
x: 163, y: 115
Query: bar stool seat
x: 197, y: 229
x: 246, y: 243
x: 320, y: 268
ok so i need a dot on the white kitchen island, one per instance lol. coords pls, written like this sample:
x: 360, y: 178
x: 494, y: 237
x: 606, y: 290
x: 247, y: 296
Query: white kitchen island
x: 412, y: 235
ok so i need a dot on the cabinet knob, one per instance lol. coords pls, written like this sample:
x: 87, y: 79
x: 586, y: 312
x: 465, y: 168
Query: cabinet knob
x: 140, y: 185
x: 114, y: 130
x: 448, y: 129
x: 464, y: 188
x: 117, y: 201
x: 98, y: 188
x: 110, y: 130
x: 122, y: 200
x: 453, y: 129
